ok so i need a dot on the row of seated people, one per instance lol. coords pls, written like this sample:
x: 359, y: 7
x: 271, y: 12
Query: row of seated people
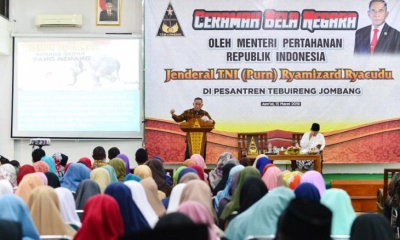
x: 232, y: 202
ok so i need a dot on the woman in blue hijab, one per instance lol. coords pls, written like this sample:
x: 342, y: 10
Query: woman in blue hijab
x: 132, y: 217
x: 76, y: 174
x: 14, y: 209
x: 307, y: 191
x: 185, y: 171
x: 50, y: 161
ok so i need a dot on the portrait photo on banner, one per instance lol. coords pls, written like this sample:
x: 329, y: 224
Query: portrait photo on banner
x: 108, y: 12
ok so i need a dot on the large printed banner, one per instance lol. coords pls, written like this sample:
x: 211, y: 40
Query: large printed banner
x: 267, y: 65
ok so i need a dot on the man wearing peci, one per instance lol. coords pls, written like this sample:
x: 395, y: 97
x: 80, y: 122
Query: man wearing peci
x: 311, y: 139
x: 195, y: 112
x: 109, y: 14
x: 378, y: 38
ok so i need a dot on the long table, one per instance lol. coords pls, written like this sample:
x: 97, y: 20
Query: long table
x: 314, y: 157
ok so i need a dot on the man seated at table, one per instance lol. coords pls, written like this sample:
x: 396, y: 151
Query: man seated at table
x: 312, y: 139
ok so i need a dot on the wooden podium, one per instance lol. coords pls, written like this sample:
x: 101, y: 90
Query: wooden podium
x: 196, y: 135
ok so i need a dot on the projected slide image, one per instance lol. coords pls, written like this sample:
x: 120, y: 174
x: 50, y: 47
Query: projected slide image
x: 77, y: 88
x: 77, y: 64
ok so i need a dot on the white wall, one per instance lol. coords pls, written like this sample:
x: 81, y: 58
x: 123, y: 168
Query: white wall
x: 22, y: 15
x: 24, y: 12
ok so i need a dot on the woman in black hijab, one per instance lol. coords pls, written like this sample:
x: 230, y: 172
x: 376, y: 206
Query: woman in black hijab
x: 371, y: 227
x: 225, y: 175
x: 253, y: 189
x: 52, y: 180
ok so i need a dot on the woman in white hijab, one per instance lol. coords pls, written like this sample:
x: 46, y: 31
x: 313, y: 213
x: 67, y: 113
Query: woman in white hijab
x: 140, y: 198
x: 67, y: 206
x: 175, y: 198
x: 5, y: 187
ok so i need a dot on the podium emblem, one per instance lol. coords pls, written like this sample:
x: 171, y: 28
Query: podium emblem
x: 253, y: 147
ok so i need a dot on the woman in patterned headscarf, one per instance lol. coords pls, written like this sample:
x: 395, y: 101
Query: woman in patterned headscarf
x: 7, y: 171
x: 216, y: 175
x: 60, y: 160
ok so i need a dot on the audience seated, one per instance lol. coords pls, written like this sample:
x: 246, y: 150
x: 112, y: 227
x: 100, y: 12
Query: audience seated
x: 10, y: 230
x: 86, y: 189
x: 198, y: 214
x: 270, y: 177
x: 140, y: 199
x: 113, y: 152
x: 43, y: 177
x: 253, y: 189
x: 27, y: 185
x: 305, y: 218
x: 101, y: 177
x: 189, y: 177
x: 371, y: 227
x: 132, y: 217
x: 119, y: 167
x: 175, y: 198
x: 8, y: 172
x: 173, y: 226
x: 74, y: 176
x: 176, y: 174
x: 25, y: 169
x: 41, y: 166
x: 150, y: 188
x: 67, y: 206
x: 101, y: 219
x: 37, y: 154
x: 111, y: 172
x: 185, y: 171
x: 283, y: 205
x: 143, y: 171
x: 216, y: 174
x: 52, y: 180
x: 315, y: 178
x: 5, y: 187
x: 133, y: 177
x: 343, y: 214
x: 13, y: 208
x: 141, y: 156
x: 125, y: 158
x: 158, y: 174
x: 86, y: 161
x: 265, y: 213
x: 224, y: 178
x: 45, y: 210
x: 234, y: 205
x: 307, y: 191
x: 50, y: 162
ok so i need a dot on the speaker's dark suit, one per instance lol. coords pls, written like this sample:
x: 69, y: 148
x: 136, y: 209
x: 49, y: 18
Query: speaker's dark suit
x: 105, y: 17
x: 388, y: 42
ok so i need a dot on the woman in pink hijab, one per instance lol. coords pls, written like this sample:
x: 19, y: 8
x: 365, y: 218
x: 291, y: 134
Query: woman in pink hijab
x: 315, y: 178
x: 199, y: 215
x: 270, y: 177
x: 41, y: 166
x: 200, y: 162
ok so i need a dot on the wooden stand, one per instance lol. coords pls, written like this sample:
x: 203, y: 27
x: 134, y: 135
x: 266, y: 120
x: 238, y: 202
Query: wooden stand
x: 196, y: 130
